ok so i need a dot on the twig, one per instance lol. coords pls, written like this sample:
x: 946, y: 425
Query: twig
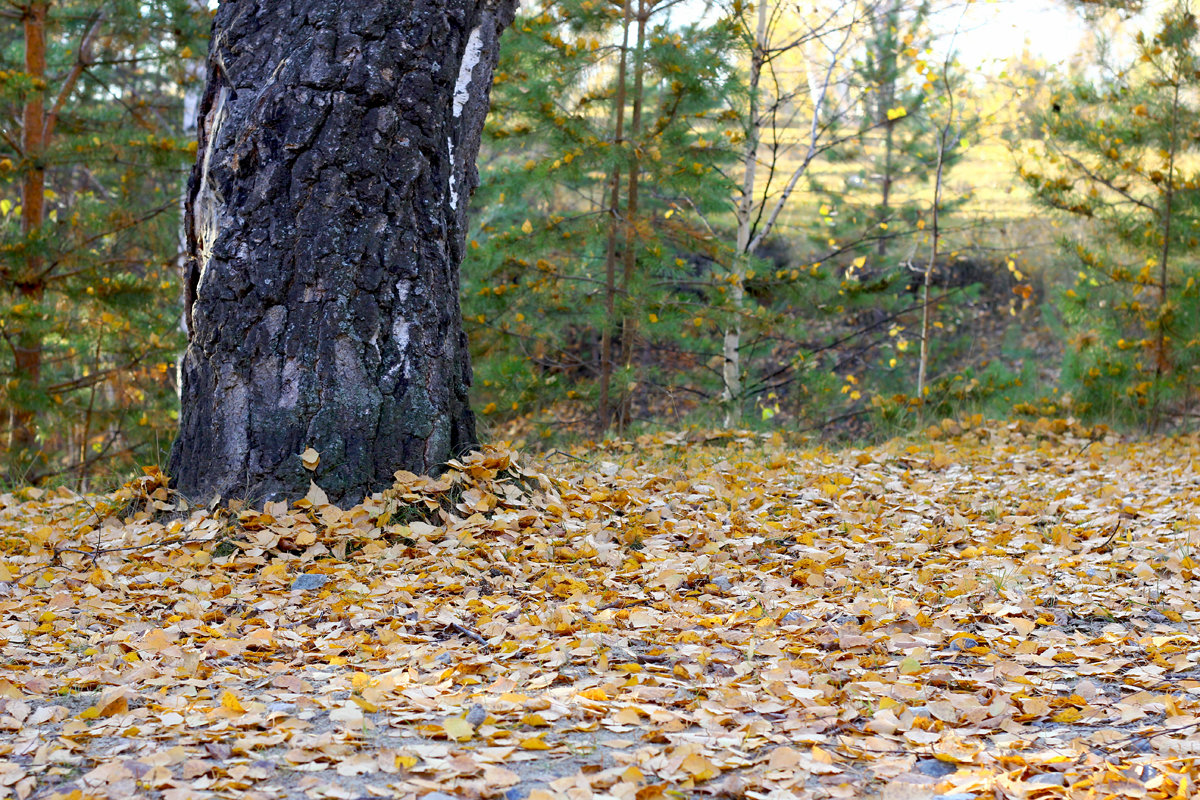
x: 470, y: 634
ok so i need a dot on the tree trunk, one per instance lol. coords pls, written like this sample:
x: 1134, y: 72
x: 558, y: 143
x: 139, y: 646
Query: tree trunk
x: 731, y: 371
x: 326, y: 220
x: 605, y: 417
x: 31, y: 279
x: 629, y: 257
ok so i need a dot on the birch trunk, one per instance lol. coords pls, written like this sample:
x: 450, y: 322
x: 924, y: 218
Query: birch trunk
x: 325, y: 222
x: 731, y: 351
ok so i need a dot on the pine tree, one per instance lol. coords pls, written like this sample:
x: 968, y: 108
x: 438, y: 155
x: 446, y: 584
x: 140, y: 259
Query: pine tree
x: 90, y: 166
x: 885, y: 218
x: 895, y: 154
x: 1119, y: 154
x: 600, y: 174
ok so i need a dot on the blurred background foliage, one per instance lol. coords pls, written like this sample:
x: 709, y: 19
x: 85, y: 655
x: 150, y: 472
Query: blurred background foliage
x: 835, y: 219
x: 94, y: 153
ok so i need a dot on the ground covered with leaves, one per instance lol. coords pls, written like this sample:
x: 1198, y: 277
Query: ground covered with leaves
x: 991, y: 610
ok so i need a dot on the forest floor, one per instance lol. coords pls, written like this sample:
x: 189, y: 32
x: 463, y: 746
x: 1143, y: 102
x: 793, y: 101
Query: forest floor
x: 991, y: 610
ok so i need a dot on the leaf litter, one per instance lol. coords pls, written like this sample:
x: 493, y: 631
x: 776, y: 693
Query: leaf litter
x: 993, y: 610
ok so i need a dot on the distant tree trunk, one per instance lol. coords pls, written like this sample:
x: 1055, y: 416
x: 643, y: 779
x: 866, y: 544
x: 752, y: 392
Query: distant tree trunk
x: 31, y: 278
x: 607, y: 404
x: 326, y: 220
x: 731, y: 371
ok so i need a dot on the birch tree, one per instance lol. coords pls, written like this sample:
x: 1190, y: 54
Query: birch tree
x: 325, y: 222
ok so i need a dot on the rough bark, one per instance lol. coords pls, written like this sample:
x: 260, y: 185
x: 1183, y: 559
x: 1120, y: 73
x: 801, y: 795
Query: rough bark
x: 326, y: 220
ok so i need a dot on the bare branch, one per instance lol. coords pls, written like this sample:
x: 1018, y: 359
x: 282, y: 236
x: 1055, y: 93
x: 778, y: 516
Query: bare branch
x: 82, y: 60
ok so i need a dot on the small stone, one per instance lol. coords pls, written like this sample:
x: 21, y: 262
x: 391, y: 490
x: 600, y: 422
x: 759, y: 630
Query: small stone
x: 1049, y: 779
x: 1141, y: 746
x: 439, y: 796
x: 963, y: 643
x: 476, y: 715
x: 309, y: 581
x: 722, y: 583
x: 515, y: 793
x: 936, y: 768
x: 792, y: 618
x: 1141, y: 772
x: 955, y: 796
x: 280, y: 707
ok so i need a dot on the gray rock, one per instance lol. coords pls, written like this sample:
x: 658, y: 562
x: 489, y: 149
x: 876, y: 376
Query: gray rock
x: 280, y: 707
x: 965, y: 643
x: 936, y: 768
x: 792, y: 618
x: 722, y: 583
x: 515, y: 793
x: 439, y: 796
x: 309, y: 581
x: 476, y: 715
x: 955, y: 796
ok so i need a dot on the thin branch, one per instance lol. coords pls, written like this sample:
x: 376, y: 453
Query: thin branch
x: 82, y: 60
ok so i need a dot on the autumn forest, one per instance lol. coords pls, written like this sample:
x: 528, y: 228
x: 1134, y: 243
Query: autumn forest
x: 632, y: 399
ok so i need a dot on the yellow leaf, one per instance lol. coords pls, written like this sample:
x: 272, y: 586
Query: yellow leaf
x: 230, y: 701
x: 1067, y: 715
x: 534, y: 721
x: 458, y: 729
x: 275, y: 572
x: 365, y: 705
x: 628, y: 716
x: 896, y: 113
x: 156, y: 640
x: 527, y: 227
x: 310, y: 459
x: 113, y: 702
x: 316, y: 495
x: 700, y: 767
x: 534, y: 743
x: 596, y: 694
